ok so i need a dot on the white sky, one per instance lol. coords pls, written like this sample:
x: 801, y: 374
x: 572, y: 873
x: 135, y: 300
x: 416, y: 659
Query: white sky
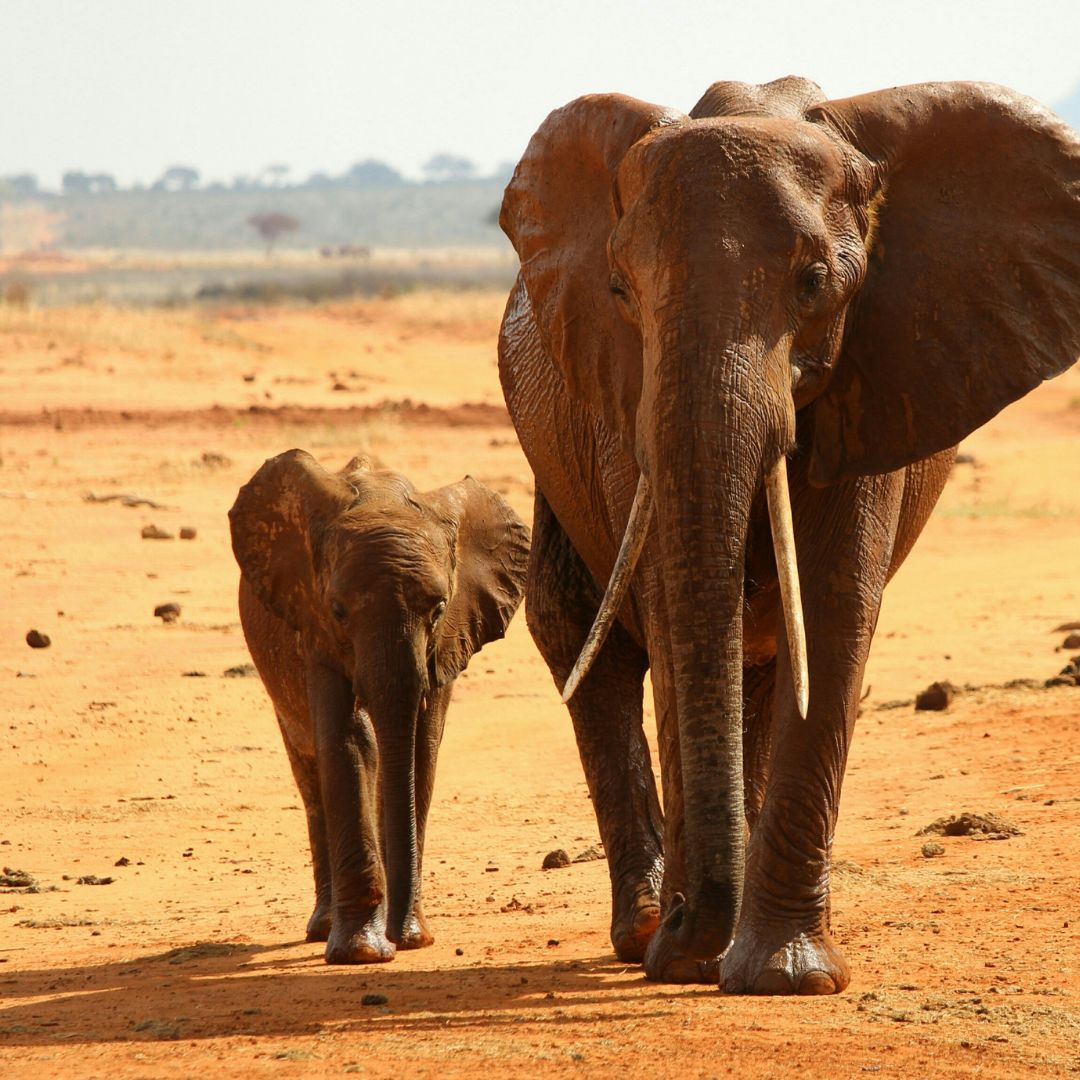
x: 229, y: 86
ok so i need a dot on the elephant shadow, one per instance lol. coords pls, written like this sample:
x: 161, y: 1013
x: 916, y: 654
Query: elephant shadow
x: 287, y: 990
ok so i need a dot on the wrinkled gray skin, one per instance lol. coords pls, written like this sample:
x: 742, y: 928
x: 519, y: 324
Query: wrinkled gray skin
x: 361, y: 601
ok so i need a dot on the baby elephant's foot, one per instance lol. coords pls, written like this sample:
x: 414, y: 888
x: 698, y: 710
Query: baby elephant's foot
x: 416, y: 934
x: 320, y: 923
x: 807, y: 964
x: 359, y: 941
x: 665, y: 964
x: 634, y: 924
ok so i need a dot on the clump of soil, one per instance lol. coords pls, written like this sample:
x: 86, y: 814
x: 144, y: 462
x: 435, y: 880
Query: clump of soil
x: 17, y: 879
x: 556, y: 860
x: 590, y: 854
x: 1070, y: 674
x: 36, y: 640
x: 152, y: 532
x: 241, y: 671
x: 188, y: 533
x: 968, y: 824
x: 167, y: 613
x: 932, y: 850
x: 93, y: 879
x: 936, y: 697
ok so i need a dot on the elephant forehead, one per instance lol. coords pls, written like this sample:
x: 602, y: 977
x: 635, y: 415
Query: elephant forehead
x: 725, y: 156
x: 404, y: 543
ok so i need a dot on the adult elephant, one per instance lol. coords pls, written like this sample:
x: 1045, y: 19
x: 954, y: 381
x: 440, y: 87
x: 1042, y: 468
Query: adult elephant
x: 844, y: 289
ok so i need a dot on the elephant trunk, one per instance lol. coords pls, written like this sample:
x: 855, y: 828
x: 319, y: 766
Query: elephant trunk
x: 394, y: 716
x: 717, y: 428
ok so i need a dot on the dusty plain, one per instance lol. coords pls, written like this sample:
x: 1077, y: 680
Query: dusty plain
x: 191, y: 963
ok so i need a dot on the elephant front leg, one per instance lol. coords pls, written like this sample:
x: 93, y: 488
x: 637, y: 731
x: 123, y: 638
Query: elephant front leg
x: 347, y: 757
x: 783, y: 943
x: 306, y: 773
x: 561, y: 603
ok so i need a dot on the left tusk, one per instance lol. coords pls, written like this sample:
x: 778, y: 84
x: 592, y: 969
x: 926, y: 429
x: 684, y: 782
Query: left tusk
x: 637, y: 528
x: 787, y: 566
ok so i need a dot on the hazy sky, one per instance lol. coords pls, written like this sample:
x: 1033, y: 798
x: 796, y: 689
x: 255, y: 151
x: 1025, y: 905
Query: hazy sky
x: 229, y: 86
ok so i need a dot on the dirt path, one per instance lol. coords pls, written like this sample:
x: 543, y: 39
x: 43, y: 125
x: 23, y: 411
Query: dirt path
x: 190, y: 963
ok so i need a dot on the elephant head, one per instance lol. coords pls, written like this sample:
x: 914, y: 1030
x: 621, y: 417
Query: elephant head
x: 392, y: 589
x: 896, y: 267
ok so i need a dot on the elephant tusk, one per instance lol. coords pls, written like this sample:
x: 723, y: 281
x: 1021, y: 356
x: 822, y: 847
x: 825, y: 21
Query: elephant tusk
x: 637, y: 528
x: 787, y: 566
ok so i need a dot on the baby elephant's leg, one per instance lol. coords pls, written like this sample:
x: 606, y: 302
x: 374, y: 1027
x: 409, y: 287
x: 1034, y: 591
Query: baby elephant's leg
x: 306, y: 774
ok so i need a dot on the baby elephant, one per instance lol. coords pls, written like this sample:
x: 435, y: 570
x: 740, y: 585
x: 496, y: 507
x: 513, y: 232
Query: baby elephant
x: 362, y: 600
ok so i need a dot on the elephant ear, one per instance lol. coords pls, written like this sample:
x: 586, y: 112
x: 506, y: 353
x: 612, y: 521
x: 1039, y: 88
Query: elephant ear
x: 972, y: 291
x: 558, y: 212
x: 491, y: 558
x: 278, y: 522
x: 788, y: 98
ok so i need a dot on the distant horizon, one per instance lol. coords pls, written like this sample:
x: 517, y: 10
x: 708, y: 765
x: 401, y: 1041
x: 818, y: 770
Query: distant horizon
x: 231, y: 87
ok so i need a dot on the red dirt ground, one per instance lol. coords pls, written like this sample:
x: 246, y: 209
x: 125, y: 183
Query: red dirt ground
x: 191, y: 963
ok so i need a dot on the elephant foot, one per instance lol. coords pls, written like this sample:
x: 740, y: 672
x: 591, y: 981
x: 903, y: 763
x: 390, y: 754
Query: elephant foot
x: 416, y: 934
x: 320, y: 923
x: 806, y: 964
x: 633, y: 928
x: 665, y: 964
x: 359, y: 942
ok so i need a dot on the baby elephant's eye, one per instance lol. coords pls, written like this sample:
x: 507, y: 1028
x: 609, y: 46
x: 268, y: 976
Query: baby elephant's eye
x: 439, y: 611
x: 337, y: 609
x: 812, y: 281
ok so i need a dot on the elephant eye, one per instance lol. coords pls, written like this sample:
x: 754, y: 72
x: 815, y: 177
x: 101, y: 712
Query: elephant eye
x: 617, y: 286
x: 337, y: 609
x: 439, y: 612
x: 812, y: 281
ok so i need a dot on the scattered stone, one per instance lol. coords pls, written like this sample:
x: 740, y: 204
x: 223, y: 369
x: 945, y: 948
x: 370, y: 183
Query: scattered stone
x: 590, y: 854
x: 193, y: 674
x: 122, y: 861
x: 1070, y: 674
x: 17, y: 879
x: 932, y: 850
x: 552, y: 942
x: 152, y: 532
x: 516, y: 905
x: 25, y: 675
x: 556, y: 860
x: 339, y: 386
x: 936, y: 697
x: 459, y: 952
x: 93, y: 879
x: 241, y: 671
x: 167, y: 613
x: 188, y: 533
x: 374, y: 999
x: 984, y: 826
x: 491, y: 868
x: 37, y: 640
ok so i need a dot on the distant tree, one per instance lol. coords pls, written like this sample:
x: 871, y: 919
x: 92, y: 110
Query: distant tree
x: 276, y: 174
x: 177, y: 178
x: 80, y: 183
x: 19, y: 186
x: 371, y: 174
x: 271, y: 227
x: 446, y: 167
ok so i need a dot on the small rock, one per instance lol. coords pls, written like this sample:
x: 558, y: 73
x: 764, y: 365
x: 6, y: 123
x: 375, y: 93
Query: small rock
x: 552, y: 942
x: 17, y: 879
x: 122, y: 861
x: 936, y: 697
x: 241, y: 671
x: 556, y: 860
x: 193, y: 674
x: 491, y: 868
x: 188, y: 533
x: 339, y: 386
x: 459, y: 952
x: 964, y: 459
x: 93, y: 879
x: 37, y: 640
x: 25, y: 675
x: 168, y: 613
x: 213, y: 460
x: 374, y: 999
x: 152, y: 532
x: 1072, y: 641
x: 932, y: 851
x: 590, y: 854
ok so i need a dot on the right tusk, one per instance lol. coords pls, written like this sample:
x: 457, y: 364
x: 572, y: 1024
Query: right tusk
x: 637, y: 528
x: 787, y: 566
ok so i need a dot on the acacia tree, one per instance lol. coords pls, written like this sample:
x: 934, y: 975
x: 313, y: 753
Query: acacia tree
x: 271, y: 227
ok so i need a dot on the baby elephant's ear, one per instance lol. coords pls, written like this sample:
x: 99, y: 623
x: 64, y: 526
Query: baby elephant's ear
x: 491, y: 548
x: 277, y: 523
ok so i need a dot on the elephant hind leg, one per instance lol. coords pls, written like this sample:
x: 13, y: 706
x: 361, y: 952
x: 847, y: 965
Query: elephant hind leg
x: 306, y: 774
x: 561, y: 603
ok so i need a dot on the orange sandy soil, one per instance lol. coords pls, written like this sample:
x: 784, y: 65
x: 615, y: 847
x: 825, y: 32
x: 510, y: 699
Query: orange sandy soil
x: 962, y: 964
